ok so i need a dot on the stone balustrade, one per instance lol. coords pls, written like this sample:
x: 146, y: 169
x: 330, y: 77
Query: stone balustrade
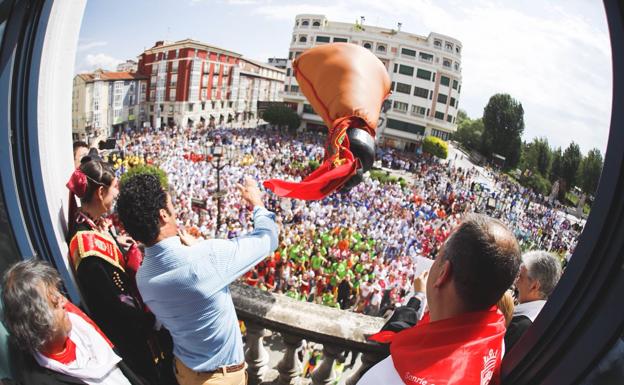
x: 338, y: 331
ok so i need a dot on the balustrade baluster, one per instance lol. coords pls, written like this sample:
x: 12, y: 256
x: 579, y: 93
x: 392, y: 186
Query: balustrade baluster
x: 289, y: 367
x: 325, y: 373
x: 256, y: 355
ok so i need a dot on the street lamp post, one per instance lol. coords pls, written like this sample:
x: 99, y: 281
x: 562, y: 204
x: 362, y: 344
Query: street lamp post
x: 217, y: 152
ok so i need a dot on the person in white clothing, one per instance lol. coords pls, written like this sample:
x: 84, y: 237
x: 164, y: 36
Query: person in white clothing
x: 53, y: 342
x: 539, y: 274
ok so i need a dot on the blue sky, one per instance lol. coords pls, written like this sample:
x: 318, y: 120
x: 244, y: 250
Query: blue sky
x: 553, y: 56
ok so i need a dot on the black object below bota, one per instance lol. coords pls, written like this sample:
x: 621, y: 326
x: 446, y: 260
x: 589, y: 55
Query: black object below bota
x: 362, y: 145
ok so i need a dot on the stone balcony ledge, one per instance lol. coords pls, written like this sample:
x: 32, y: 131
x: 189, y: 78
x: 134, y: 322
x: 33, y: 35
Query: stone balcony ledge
x: 339, y: 331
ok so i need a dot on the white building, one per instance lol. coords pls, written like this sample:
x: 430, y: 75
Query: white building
x: 425, y: 73
x: 278, y: 62
x: 258, y: 82
x: 128, y: 66
x: 104, y: 102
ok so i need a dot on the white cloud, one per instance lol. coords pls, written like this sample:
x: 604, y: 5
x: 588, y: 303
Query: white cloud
x: 88, y: 45
x: 101, y: 60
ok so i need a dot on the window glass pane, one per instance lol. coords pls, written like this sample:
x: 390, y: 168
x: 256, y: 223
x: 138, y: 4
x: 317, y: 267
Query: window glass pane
x: 403, y: 88
x: 442, y: 98
x: 406, y: 70
x: 322, y: 39
x: 445, y: 81
x: 421, y: 92
x: 423, y: 74
x: 408, y: 52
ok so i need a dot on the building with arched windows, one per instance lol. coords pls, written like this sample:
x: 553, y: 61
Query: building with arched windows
x: 425, y: 73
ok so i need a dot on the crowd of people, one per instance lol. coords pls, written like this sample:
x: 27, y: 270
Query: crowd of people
x: 383, y: 249
x: 351, y: 250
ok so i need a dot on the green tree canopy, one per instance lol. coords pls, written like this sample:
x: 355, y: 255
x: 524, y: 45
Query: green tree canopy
x: 503, y: 122
x: 537, y: 156
x: 570, y: 162
x: 589, y: 171
x: 555, y: 167
x: 435, y: 146
x: 281, y: 115
x: 469, y: 133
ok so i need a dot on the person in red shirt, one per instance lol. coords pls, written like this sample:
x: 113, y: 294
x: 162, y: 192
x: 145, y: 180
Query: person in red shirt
x: 460, y: 339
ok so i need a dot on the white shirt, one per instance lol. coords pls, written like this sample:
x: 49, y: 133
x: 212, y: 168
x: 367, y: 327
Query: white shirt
x: 382, y: 373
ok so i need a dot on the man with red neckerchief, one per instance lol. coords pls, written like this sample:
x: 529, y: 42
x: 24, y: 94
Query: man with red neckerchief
x: 460, y: 338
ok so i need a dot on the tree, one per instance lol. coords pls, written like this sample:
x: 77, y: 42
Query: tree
x: 589, y: 171
x: 435, y: 146
x: 555, y: 168
x: 537, y: 156
x: 570, y: 162
x: 145, y: 169
x: 280, y: 115
x: 469, y: 133
x: 503, y: 122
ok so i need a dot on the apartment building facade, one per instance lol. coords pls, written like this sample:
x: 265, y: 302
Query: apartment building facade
x: 425, y: 73
x: 196, y: 84
x: 107, y: 101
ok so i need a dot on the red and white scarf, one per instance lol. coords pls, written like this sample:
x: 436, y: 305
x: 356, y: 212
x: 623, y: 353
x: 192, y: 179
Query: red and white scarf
x: 464, y: 350
x: 88, y: 354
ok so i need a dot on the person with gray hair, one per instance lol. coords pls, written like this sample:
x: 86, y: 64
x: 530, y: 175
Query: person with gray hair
x: 539, y: 273
x: 52, y: 341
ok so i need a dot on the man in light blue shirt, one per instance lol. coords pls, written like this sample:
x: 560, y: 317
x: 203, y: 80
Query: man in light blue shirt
x: 185, y: 284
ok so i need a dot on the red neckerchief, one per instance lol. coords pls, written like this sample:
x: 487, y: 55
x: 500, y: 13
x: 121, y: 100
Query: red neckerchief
x: 461, y: 350
x: 68, y: 355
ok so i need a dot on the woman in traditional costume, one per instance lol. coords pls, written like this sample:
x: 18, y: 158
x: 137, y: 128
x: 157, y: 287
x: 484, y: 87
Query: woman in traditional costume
x: 105, y: 273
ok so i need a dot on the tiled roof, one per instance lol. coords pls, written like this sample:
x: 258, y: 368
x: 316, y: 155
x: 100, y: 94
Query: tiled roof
x: 112, y: 76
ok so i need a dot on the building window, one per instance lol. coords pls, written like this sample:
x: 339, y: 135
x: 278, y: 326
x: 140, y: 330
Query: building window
x: 418, y: 110
x: 449, y: 46
x: 174, y: 80
x: 322, y: 39
x: 381, y: 48
x: 294, y: 88
x: 408, y: 52
x: 204, y: 94
x: 449, y: 118
x: 290, y: 55
x: 305, y: 23
x: 285, y: 87
x: 287, y: 71
x: 316, y: 23
x: 446, y: 63
x: 340, y: 40
x: 396, y: 66
x: 453, y: 102
x: 456, y: 66
x: 406, y: 70
x: 442, y: 98
x: 297, y: 54
x: 437, y: 43
x: 426, y: 57
x: 303, y: 39
x: 368, y: 45
x: 172, y: 94
x: 308, y: 109
x: 405, y: 126
x: 455, y: 84
x: 403, y: 88
x: 445, y: 80
x: 457, y: 49
x: 174, y: 66
x: 421, y: 92
x: 400, y: 106
x: 439, y: 115
x: 423, y: 74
